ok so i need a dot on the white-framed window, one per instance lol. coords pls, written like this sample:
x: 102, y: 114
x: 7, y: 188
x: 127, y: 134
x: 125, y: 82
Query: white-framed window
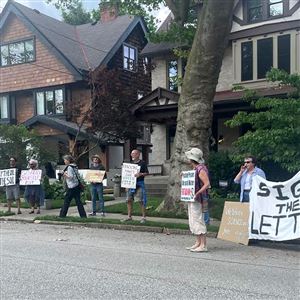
x: 17, y: 52
x: 4, y: 106
x: 50, y: 102
x: 254, y: 57
x: 130, y: 58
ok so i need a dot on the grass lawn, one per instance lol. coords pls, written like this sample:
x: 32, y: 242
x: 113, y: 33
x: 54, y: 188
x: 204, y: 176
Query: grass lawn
x: 152, y: 204
x: 6, y: 213
x: 115, y: 221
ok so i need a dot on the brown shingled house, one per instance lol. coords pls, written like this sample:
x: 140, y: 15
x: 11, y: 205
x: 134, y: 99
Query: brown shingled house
x: 43, y: 67
x: 264, y: 34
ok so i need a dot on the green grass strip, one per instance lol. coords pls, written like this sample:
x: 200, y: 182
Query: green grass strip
x: 210, y: 228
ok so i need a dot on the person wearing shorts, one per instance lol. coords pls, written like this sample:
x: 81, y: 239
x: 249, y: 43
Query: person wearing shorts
x: 13, y: 191
x: 139, y: 193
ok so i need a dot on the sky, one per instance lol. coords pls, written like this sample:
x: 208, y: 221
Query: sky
x: 50, y: 10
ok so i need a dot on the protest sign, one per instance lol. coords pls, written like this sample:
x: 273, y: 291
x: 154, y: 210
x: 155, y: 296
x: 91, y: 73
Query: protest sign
x: 234, y: 223
x: 8, y: 177
x: 275, y: 209
x: 188, y: 186
x: 94, y: 176
x: 30, y: 177
x: 128, y: 179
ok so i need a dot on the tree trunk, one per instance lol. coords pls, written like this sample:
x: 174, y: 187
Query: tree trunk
x: 195, y: 107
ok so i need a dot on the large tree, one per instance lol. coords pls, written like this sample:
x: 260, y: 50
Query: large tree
x: 209, y: 22
x: 195, y: 106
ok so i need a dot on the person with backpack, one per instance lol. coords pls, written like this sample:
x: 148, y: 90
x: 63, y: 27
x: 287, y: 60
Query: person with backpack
x: 196, y: 209
x: 73, y: 187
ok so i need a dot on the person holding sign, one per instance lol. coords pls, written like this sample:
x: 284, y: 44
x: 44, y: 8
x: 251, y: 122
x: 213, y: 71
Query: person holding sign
x: 195, y: 208
x: 71, y: 177
x: 247, y: 171
x: 97, y: 187
x: 33, y: 192
x: 139, y: 192
x: 13, y: 191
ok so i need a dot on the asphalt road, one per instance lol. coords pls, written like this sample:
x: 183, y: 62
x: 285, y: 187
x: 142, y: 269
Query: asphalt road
x: 61, y: 262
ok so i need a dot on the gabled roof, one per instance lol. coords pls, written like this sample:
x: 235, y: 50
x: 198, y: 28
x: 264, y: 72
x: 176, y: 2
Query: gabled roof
x: 80, y: 47
x: 69, y: 128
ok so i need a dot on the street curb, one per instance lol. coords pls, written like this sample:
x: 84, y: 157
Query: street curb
x: 153, y: 229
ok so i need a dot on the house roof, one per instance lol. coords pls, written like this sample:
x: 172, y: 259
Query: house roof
x: 69, y: 128
x: 83, y: 47
x: 152, y: 49
x: 221, y: 98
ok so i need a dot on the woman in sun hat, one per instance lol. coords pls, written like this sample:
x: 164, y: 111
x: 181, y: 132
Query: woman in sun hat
x: 195, y: 209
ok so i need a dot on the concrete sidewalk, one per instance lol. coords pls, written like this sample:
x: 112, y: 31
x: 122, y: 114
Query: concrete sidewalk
x: 25, y: 216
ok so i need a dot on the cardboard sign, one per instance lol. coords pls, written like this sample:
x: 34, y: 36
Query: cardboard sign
x: 187, y: 186
x: 95, y: 176
x: 128, y: 180
x: 275, y: 209
x: 234, y: 223
x: 30, y: 177
x: 8, y: 177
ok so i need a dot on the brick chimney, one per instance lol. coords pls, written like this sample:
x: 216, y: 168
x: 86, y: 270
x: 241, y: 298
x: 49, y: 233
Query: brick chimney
x: 108, y: 12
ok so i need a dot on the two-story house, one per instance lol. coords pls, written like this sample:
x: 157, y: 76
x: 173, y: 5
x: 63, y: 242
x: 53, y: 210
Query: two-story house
x: 43, y: 68
x: 264, y: 34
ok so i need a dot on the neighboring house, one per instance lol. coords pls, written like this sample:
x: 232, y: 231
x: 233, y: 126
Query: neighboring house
x: 43, y: 68
x: 264, y: 34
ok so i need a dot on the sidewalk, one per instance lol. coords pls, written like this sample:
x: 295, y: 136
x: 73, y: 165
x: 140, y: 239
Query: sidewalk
x: 26, y: 217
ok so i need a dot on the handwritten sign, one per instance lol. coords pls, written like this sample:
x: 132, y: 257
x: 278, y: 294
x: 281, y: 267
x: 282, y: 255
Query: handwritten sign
x: 30, y: 177
x: 234, y: 223
x: 128, y: 179
x: 95, y: 176
x: 8, y: 177
x: 275, y: 209
x: 188, y: 186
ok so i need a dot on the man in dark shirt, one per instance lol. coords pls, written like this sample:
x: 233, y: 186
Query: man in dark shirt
x: 139, y: 193
x: 97, y: 187
x: 13, y: 191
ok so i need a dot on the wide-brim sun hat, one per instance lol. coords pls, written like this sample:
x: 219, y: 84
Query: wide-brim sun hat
x: 96, y: 156
x: 195, y: 154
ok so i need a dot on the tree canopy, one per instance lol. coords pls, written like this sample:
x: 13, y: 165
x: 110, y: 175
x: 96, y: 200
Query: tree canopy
x: 275, y: 124
x: 23, y: 144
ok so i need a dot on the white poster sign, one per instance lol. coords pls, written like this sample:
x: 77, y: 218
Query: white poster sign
x: 188, y: 186
x: 8, y: 177
x: 30, y: 177
x: 89, y: 175
x: 275, y: 209
x: 128, y: 179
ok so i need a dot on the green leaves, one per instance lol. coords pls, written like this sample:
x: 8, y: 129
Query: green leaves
x: 276, y: 126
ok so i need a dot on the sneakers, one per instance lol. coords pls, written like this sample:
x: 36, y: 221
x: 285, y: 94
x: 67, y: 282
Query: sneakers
x: 92, y: 214
x: 192, y: 247
x: 127, y: 219
x: 102, y: 214
x: 199, y: 249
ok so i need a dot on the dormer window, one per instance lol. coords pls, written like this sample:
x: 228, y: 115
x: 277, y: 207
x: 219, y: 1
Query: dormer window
x: 262, y: 10
x: 129, y: 58
x: 17, y: 52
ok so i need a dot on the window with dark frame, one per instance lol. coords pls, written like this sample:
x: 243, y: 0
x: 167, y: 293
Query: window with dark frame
x: 260, y: 10
x: 50, y: 102
x: 247, y: 61
x: 129, y: 58
x: 275, y: 8
x: 255, y: 10
x: 4, y: 107
x: 17, y: 53
x: 173, y: 75
x: 264, y: 57
x: 284, y: 52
